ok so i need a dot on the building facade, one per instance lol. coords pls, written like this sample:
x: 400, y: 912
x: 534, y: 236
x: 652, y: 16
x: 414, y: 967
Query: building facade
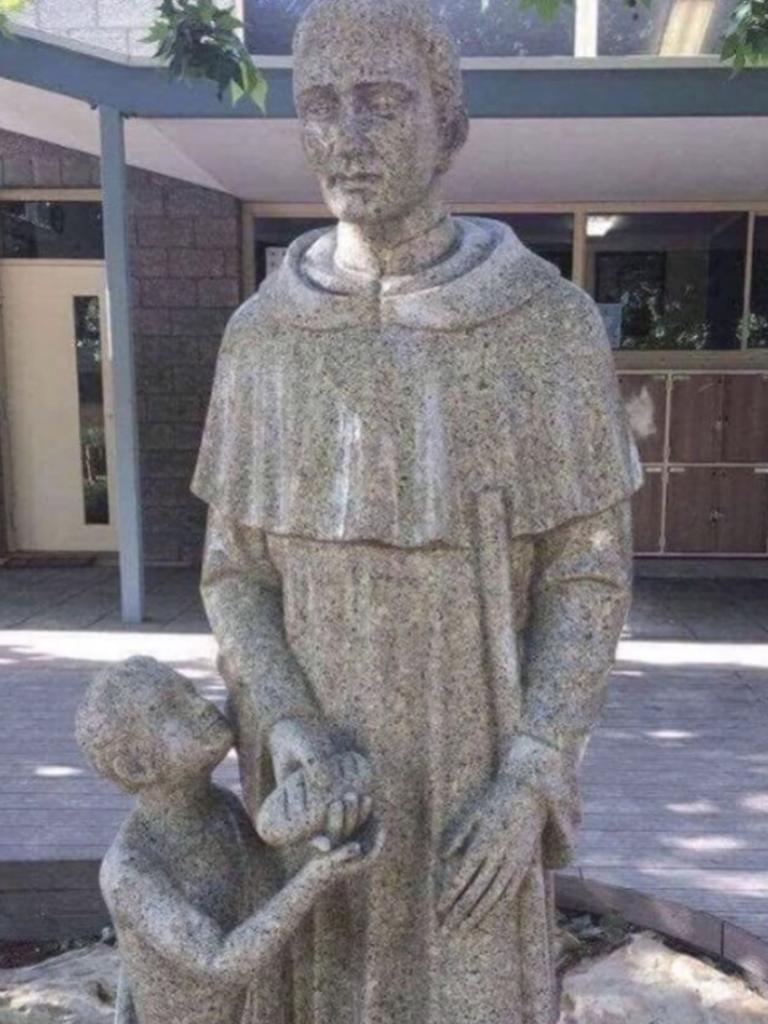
x: 664, y: 220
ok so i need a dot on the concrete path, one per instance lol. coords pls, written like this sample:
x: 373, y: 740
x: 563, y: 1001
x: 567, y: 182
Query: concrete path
x: 675, y: 782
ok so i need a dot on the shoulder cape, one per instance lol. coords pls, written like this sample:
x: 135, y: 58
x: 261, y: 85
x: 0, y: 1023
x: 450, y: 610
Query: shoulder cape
x: 379, y: 415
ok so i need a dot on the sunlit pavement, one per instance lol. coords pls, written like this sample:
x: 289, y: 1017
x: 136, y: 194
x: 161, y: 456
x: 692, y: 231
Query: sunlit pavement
x: 675, y: 780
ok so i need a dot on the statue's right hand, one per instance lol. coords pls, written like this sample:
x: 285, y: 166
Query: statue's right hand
x: 295, y: 743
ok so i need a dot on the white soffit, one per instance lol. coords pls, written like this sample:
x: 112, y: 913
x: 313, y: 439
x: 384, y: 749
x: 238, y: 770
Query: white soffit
x: 68, y: 122
x: 523, y: 161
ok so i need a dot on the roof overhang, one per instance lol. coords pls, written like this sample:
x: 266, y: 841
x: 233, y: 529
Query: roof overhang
x: 502, y: 90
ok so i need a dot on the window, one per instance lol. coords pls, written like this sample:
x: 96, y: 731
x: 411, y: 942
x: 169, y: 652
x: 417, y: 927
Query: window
x: 90, y: 396
x: 669, y: 280
x: 273, y: 235
x: 49, y: 230
x: 497, y: 28
x: 664, y: 28
x: 550, y: 235
x: 758, y: 319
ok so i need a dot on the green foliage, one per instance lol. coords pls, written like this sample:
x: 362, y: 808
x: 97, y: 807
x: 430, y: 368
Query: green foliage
x: 198, y: 40
x: 745, y: 43
x: 7, y: 9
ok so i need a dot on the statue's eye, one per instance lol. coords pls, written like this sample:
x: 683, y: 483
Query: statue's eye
x: 318, y: 103
x: 383, y: 98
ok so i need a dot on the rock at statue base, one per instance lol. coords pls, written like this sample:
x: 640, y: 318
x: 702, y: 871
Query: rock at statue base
x: 76, y: 988
x: 646, y: 982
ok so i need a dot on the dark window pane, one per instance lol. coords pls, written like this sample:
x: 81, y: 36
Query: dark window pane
x: 273, y: 235
x: 758, y: 319
x: 47, y: 230
x: 550, y: 235
x: 663, y: 28
x: 93, y: 447
x: 669, y: 280
x: 498, y: 28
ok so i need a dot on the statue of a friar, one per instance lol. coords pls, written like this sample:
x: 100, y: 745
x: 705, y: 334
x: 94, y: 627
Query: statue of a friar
x: 418, y: 473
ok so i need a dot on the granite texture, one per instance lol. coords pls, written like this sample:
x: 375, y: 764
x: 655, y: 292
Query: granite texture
x: 196, y: 898
x: 418, y: 475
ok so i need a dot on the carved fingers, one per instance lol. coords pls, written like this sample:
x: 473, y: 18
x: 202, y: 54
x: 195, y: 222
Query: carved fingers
x: 489, y: 855
x: 346, y: 859
x: 346, y: 815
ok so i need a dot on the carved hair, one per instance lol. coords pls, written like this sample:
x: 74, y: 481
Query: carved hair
x: 413, y: 17
x: 114, y: 721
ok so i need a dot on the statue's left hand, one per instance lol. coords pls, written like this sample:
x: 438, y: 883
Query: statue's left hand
x: 489, y: 852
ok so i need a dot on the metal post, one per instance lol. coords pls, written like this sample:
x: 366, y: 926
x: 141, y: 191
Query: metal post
x: 113, y: 180
x: 587, y: 17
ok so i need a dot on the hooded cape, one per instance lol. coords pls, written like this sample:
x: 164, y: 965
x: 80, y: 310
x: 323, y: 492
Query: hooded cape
x: 379, y: 414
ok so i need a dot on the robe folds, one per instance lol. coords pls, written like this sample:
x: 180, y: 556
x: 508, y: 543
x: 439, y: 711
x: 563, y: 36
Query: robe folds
x: 353, y: 429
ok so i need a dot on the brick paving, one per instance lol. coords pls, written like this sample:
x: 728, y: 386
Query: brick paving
x: 675, y: 780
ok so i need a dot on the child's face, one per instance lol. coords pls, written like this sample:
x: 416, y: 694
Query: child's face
x: 189, y: 734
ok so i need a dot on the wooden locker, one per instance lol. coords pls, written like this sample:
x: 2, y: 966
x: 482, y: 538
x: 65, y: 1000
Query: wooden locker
x: 652, y: 388
x: 745, y: 418
x: 646, y: 513
x: 696, y: 418
x: 741, y: 511
x: 692, y: 501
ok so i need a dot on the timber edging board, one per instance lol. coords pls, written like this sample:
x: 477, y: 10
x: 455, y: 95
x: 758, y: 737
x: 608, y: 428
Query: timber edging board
x: 44, y: 900
x: 703, y: 932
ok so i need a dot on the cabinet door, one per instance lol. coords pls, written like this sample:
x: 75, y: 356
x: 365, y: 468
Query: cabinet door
x: 696, y: 418
x: 742, y: 511
x: 645, y: 396
x: 646, y: 513
x: 745, y: 416
x: 692, y: 496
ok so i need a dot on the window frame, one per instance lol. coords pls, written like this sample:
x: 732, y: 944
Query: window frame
x: 655, y: 359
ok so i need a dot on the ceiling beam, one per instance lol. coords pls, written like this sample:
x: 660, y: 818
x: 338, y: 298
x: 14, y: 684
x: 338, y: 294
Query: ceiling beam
x: 560, y: 92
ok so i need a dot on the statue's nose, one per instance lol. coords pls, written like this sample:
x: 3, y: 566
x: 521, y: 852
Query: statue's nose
x: 351, y: 136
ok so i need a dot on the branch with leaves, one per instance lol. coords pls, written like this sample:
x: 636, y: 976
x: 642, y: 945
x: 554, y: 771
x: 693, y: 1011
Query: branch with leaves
x: 198, y: 40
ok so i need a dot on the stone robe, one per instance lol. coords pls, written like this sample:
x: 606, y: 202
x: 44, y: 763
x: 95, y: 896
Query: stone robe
x: 352, y: 433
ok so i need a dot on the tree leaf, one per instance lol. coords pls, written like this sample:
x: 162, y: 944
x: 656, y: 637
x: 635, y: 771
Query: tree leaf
x: 197, y: 39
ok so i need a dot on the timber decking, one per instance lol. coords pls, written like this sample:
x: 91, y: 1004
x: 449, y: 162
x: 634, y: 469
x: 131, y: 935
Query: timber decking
x: 675, y: 779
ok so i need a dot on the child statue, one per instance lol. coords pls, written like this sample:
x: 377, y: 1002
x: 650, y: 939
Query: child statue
x: 194, y: 894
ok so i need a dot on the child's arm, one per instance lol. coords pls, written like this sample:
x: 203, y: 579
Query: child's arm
x: 125, y: 1011
x: 147, y: 904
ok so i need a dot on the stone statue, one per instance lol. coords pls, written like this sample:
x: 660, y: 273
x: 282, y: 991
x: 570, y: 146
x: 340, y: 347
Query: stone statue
x: 194, y: 895
x: 418, y: 475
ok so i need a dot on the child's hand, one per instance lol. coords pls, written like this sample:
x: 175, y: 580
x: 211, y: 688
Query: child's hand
x: 345, y: 860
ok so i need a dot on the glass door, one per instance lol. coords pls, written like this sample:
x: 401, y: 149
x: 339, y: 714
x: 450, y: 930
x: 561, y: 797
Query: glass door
x: 61, y: 422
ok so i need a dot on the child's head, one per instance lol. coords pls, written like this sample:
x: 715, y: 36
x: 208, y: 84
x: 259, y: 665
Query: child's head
x: 141, y: 724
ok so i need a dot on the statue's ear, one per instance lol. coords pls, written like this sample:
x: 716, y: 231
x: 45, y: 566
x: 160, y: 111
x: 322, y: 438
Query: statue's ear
x: 135, y: 770
x: 455, y: 133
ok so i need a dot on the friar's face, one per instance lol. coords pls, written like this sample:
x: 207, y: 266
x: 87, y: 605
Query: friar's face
x: 369, y: 123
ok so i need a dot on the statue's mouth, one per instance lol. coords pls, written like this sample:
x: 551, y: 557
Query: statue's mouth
x: 361, y: 180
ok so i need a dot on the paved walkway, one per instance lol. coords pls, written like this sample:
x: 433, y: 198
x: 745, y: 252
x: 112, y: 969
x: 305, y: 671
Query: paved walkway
x: 676, y: 777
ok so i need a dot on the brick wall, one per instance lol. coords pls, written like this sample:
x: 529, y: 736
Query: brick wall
x: 118, y: 25
x: 185, y: 259
x: 186, y: 266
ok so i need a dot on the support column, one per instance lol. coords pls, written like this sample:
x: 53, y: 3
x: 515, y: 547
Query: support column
x: 126, y: 472
x: 587, y: 22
